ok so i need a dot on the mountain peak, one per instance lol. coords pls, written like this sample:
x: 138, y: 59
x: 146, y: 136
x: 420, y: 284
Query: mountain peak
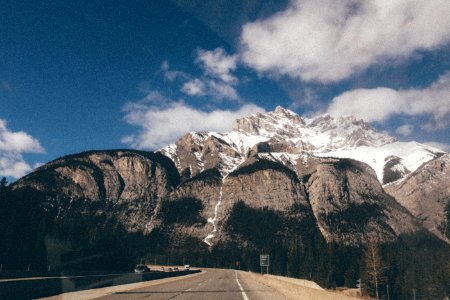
x: 283, y: 111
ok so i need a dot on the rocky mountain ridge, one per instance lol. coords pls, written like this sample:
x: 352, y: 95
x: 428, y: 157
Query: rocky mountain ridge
x: 287, y: 136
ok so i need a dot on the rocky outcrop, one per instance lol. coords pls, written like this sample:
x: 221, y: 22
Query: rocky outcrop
x: 261, y: 183
x: 349, y: 203
x: 426, y: 194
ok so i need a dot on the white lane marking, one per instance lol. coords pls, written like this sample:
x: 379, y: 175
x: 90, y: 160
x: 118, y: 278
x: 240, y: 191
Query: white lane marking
x: 244, y: 295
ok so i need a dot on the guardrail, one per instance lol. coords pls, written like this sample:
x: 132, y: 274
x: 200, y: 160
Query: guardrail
x: 31, y: 288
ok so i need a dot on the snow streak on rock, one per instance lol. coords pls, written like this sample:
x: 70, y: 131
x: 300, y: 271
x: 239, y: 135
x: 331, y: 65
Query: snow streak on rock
x: 213, y: 220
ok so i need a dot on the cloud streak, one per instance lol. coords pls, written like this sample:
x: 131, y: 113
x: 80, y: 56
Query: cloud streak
x: 328, y: 41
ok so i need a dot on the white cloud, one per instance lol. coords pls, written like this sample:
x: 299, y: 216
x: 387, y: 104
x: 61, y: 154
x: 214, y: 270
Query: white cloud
x: 215, y: 89
x: 330, y: 40
x: 218, y: 64
x: 194, y: 87
x: 13, y: 166
x: 12, y: 146
x: 405, y: 130
x: 17, y: 141
x: 222, y: 90
x: 162, y: 126
x: 217, y: 82
x: 380, y: 104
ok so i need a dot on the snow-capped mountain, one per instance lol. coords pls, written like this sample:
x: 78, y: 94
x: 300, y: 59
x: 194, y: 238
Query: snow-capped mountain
x: 270, y: 185
x: 274, y: 167
x: 284, y: 136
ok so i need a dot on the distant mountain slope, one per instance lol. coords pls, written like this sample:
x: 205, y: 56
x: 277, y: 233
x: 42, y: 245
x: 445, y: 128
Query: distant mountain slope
x: 426, y: 194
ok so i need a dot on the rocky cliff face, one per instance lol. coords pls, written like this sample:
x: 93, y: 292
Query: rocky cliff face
x: 143, y: 192
x: 426, y: 194
x: 128, y: 184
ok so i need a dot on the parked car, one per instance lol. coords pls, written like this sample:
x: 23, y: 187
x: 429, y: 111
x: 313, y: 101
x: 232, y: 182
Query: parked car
x: 176, y: 269
x: 141, y: 268
x: 187, y: 267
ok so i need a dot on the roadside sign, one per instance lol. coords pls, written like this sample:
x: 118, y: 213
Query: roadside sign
x: 264, y: 260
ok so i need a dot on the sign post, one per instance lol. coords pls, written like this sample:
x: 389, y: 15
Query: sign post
x: 264, y: 261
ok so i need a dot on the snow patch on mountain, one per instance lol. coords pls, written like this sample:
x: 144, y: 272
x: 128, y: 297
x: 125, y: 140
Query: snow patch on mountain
x: 413, y: 155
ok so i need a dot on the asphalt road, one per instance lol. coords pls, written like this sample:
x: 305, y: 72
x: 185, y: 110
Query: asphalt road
x: 37, y: 287
x: 213, y: 284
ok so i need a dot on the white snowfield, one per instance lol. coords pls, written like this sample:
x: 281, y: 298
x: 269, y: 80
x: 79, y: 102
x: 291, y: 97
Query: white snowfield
x: 412, y: 155
x: 322, y: 136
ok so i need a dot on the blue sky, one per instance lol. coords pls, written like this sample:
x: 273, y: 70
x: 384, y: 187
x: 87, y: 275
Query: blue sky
x: 82, y: 75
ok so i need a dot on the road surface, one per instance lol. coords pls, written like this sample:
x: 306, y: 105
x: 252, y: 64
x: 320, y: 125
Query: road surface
x: 213, y: 284
x: 37, y: 287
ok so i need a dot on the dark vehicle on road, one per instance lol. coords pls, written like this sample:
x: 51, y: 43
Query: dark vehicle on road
x: 141, y: 269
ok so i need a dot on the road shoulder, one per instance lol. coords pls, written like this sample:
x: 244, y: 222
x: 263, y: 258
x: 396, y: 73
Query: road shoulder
x: 296, y: 290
